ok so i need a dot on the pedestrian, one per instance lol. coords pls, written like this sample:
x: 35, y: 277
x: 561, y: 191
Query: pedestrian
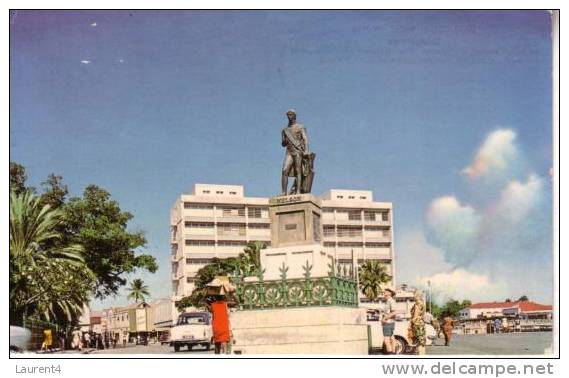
x: 47, y: 339
x: 497, y: 325
x: 447, y: 329
x: 76, y: 339
x: 87, y: 337
x: 220, y: 324
x: 124, y: 339
x: 416, y: 330
x: 388, y: 320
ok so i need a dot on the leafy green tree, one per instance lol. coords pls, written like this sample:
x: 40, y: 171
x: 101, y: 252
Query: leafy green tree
x: 54, y: 191
x: 249, y: 260
x: 247, y: 263
x: 96, y: 222
x: 18, y: 178
x: 523, y: 298
x: 452, y: 307
x: 372, y: 276
x: 49, y: 283
x: 138, y: 290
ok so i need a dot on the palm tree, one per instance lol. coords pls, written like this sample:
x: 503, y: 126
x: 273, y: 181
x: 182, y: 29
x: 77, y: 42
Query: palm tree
x: 372, y: 275
x: 40, y: 267
x: 138, y: 290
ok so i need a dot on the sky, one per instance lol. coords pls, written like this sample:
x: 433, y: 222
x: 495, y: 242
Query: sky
x: 447, y: 114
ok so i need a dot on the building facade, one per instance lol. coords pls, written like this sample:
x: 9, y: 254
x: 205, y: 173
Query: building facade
x: 218, y: 221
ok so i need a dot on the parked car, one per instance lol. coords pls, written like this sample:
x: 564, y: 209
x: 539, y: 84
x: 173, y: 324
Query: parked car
x: 402, y: 342
x: 19, y: 338
x: 192, y: 328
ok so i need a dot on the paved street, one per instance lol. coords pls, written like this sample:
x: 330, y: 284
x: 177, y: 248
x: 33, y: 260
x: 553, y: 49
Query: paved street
x: 152, y: 349
x: 495, y: 344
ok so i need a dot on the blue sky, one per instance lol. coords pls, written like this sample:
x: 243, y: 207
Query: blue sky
x: 395, y: 102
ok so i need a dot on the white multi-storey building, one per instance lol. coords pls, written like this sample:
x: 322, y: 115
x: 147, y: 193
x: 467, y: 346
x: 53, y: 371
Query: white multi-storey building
x: 218, y: 221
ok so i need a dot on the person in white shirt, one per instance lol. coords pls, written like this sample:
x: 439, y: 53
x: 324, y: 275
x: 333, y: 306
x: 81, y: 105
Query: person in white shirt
x: 388, y: 320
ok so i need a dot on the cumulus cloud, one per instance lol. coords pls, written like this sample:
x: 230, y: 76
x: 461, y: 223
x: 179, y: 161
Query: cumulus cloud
x: 462, y: 284
x: 518, y: 198
x: 417, y: 258
x: 85, y: 61
x: 494, y: 155
x: 454, y: 227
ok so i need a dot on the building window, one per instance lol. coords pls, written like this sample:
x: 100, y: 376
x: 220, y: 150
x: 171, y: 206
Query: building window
x: 190, y: 279
x: 328, y: 210
x: 385, y: 216
x: 349, y: 232
x: 363, y: 197
x: 237, y: 229
x: 260, y: 226
x: 198, y: 261
x: 205, y: 192
x: 233, y: 211
x: 190, y: 205
x: 233, y: 193
x: 340, y: 197
x: 350, y: 245
x: 231, y: 243
x: 354, y: 215
x: 369, y: 215
x: 377, y: 245
x: 329, y: 244
x: 198, y: 225
x: 351, y: 197
x: 255, y: 212
x: 201, y: 243
x: 329, y: 230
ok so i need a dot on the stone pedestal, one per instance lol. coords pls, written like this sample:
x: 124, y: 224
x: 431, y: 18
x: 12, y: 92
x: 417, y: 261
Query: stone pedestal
x: 295, y: 220
x: 310, y: 330
x: 295, y: 258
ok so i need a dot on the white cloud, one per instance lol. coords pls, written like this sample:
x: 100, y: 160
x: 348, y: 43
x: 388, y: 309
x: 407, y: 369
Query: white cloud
x: 461, y: 284
x: 518, y: 199
x: 94, y: 24
x: 85, y: 61
x: 417, y: 258
x: 454, y: 227
x: 494, y: 155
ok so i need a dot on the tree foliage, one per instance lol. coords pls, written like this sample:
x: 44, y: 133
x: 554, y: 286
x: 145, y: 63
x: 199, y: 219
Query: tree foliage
x: 18, y: 178
x: 372, y: 276
x: 47, y: 280
x: 96, y: 222
x: 247, y: 263
x: 63, y: 251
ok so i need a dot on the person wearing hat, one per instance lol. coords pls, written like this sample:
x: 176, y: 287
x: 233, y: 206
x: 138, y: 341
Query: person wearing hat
x: 295, y: 142
x: 388, y: 320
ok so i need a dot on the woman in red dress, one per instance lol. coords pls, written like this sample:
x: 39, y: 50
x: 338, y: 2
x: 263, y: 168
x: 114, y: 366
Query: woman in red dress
x: 220, y: 324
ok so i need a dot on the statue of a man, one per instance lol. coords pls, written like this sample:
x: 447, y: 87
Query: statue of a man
x: 298, y: 161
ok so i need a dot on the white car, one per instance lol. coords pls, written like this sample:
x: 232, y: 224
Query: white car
x: 402, y: 342
x: 192, y: 328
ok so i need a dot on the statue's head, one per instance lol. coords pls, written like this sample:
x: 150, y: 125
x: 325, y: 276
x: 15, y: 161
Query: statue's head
x: 291, y: 114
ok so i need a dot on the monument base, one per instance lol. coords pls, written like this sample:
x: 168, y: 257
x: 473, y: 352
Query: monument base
x: 304, y: 330
x: 295, y: 258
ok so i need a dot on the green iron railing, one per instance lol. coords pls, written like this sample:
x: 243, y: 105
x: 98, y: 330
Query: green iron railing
x: 339, y: 288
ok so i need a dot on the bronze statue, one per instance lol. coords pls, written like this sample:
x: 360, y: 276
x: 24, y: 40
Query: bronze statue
x: 298, y: 161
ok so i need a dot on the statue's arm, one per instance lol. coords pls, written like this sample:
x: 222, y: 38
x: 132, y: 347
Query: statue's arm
x: 305, y: 138
x: 283, y: 139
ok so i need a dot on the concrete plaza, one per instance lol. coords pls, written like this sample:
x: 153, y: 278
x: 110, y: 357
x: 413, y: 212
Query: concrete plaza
x: 527, y: 343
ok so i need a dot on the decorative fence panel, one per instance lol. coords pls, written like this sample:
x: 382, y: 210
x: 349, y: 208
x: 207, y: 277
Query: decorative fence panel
x: 255, y: 293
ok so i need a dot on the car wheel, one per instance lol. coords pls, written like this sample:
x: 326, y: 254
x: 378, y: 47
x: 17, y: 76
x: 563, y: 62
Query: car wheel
x: 190, y: 347
x: 176, y: 347
x: 207, y: 346
x: 399, y: 345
